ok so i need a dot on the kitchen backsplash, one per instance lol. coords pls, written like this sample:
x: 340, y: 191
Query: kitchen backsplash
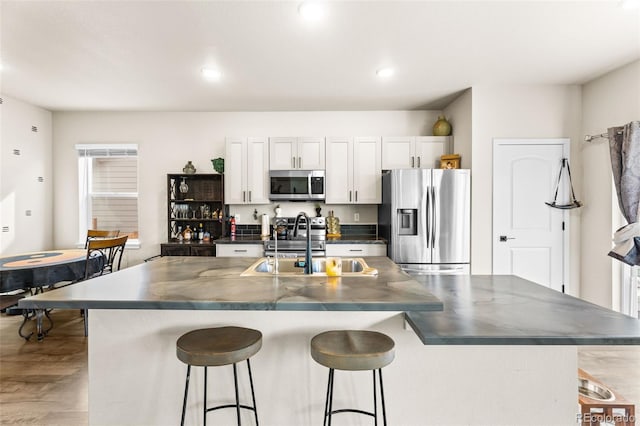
x: 346, y: 230
x: 367, y: 213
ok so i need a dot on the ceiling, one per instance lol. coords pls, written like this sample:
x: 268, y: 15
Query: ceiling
x: 147, y: 55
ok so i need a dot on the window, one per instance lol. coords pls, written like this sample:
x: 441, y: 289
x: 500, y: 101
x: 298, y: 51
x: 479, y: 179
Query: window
x: 108, y: 189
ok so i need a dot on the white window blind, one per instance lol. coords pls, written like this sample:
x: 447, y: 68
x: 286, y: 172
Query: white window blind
x: 108, y: 188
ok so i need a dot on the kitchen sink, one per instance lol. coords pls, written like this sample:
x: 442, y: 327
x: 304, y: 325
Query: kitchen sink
x: 351, y: 267
x: 593, y: 390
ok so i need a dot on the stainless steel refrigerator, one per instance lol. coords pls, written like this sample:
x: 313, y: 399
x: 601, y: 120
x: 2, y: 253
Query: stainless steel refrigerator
x: 425, y: 216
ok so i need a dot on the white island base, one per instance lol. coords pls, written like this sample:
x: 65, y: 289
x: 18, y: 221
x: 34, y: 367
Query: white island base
x: 136, y: 379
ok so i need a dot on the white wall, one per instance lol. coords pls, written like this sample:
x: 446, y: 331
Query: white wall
x: 610, y: 100
x: 20, y: 190
x: 167, y: 140
x: 519, y: 112
x: 459, y: 114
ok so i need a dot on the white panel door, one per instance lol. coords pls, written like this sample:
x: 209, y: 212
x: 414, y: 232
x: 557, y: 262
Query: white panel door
x: 367, y: 171
x: 311, y: 153
x: 235, y: 170
x: 398, y: 152
x: 528, y: 235
x: 429, y: 149
x: 339, y: 176
x: 257, y: 171
x: 283, y: 153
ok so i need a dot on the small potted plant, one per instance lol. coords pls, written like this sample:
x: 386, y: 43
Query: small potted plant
x: 318, y: 209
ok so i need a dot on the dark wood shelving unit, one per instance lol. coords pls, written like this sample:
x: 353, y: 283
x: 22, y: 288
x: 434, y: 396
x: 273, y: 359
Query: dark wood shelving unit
x: 201, y: 203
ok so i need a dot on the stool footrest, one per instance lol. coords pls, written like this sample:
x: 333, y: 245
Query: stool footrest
x: 246, y: 407
x: 351, y: 410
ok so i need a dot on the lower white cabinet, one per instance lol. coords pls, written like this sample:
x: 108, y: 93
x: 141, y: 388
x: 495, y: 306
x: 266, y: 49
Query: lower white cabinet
x: 356, y: 249
x: 239, y: 250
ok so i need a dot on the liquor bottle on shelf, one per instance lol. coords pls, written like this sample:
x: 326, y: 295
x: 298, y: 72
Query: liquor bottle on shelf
x: 200, y: 233
x: 187, y: 234
x: 179, y: 237
x: 232, y: 223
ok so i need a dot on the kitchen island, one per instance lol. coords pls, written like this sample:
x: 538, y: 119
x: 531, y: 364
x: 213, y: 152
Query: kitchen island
x: 138, y: 313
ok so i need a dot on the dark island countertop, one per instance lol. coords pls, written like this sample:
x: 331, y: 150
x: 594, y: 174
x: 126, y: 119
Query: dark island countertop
x: 210, y: 283
x: 508, y: 310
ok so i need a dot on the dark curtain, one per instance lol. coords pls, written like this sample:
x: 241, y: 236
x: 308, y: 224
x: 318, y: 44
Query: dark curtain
x: 624, y: 146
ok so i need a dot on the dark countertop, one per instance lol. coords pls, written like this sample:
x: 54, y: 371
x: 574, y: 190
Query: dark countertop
x: 508, y: 310
x: 210, y: 283
x: 345, y: 239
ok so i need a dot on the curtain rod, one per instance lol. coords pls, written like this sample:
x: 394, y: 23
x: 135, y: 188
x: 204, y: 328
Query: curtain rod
x: 589, y: 138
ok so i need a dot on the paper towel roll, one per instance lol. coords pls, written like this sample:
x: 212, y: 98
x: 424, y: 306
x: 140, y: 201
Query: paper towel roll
x: 265, y: 225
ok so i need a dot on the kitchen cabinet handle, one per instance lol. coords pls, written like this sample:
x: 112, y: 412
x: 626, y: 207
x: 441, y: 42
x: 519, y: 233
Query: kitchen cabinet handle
x: 355, y: 249
x: 249, y: 196
x: 349, y: 196
x: 244, y: 196
x: 293, y: 162
x: 239, y: 251
x: 356, y: 196
x: 299, y: 162
x: 418, y: 162
x: 412, y: 161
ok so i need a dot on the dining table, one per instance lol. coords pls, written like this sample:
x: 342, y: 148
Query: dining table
x: 38, y: 271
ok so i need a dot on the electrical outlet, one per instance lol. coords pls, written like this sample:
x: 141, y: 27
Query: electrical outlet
x: 356, y: 217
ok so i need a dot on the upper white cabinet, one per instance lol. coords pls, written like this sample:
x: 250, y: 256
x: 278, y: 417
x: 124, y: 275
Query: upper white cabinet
x: 246, y: 171
x: 406, y: 152
x: 353, y: 170
x: 287, y: 153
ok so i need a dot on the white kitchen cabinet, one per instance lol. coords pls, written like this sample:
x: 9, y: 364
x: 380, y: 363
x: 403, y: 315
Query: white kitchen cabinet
x: 353, y: 170
x: 239, y: 250
x: 246, y: 171
x: 356, y: 250
x: 305, y: 153
x: 406, y: 152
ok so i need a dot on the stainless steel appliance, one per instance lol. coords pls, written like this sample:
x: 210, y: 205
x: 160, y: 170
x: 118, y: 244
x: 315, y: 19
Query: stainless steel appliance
x: 296, y: 185
x: 425, y: 216
x: 295, y: 246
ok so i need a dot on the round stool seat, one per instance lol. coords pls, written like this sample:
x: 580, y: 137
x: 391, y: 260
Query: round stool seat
x: 218, y: 346
x: 352, y: 349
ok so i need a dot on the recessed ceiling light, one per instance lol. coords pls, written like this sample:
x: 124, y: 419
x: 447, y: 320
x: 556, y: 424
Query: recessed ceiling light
x: 211, y: 74
x: 312, y: 10
x: 630, y: 4
x: 384, y: 72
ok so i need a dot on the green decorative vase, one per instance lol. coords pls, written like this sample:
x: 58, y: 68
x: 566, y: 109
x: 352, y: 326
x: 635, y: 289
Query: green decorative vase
x: 441, y: 127
x: 218, y: 165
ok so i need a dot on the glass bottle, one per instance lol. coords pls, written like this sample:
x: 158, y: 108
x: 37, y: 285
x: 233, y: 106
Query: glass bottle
x: 187, y: 233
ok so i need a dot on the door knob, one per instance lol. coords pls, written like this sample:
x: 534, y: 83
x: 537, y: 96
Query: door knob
x: 504, y: 238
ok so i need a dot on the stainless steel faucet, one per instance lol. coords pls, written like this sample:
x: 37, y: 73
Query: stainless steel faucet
x: 307, y: 251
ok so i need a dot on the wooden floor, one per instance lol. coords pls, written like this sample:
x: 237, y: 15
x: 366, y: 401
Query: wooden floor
x: 46, y: 383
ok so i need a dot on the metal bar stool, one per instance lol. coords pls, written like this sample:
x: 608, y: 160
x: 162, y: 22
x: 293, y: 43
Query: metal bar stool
x: 353, y: 350
x: 211, y: 347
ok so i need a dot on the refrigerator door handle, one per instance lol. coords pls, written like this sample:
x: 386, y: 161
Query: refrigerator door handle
x: 428, y: 217
x: 433, y: 216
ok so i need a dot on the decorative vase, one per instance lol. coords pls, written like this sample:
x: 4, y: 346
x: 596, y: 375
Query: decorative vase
x: 318, y: 210
x: 189, y: 168
x: 218, y: 165
x: 441, y: 127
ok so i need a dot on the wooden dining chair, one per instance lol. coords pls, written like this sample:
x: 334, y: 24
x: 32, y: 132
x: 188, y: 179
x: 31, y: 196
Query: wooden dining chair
x: 109, y: 251
x: 95, y: 234
x: 103, y: 257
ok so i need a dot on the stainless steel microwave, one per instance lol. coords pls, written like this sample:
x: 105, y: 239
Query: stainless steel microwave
x: 296, y: 185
